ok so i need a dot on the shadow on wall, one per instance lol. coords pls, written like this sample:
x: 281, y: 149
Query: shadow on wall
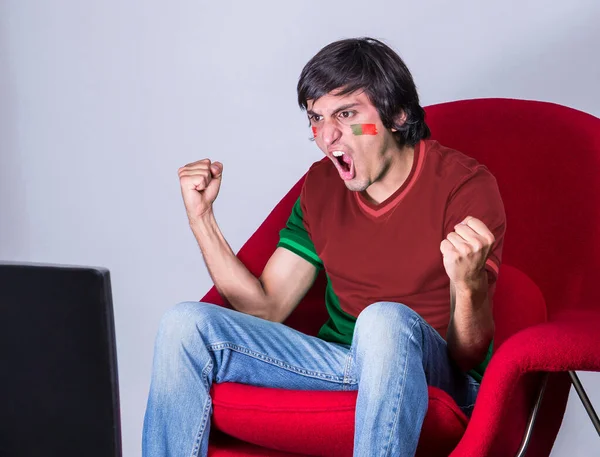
x: 14, y: 225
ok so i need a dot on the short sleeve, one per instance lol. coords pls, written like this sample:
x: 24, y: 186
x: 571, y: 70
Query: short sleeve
x: 295, y: 236
x: 478, y: 196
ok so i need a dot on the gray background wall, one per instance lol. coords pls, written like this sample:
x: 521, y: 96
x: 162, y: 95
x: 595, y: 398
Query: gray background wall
x: 101, y: 102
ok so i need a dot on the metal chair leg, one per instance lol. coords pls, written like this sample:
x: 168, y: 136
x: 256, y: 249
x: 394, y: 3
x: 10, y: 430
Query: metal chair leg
x: 532, y: 417
x: 585, y: 400
x: 534, y: 412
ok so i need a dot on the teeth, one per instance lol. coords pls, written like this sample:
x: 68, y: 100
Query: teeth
x: 338, y: 153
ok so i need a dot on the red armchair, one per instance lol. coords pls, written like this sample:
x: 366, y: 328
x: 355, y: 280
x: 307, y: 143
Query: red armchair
x: 546, y: 158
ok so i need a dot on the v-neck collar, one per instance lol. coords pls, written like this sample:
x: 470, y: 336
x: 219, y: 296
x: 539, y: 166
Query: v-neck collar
x: 376, y: 210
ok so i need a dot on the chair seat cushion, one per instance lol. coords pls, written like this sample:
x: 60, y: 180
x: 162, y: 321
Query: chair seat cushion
x: 318, y: 423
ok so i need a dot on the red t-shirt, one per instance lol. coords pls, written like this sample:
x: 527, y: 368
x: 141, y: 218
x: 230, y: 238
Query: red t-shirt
x: 391, y: 251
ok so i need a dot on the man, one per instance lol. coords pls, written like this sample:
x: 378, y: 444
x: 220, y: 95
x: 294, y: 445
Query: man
x: 410, y: 235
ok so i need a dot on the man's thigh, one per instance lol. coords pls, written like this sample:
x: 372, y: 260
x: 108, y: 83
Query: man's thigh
x: 250, y: 350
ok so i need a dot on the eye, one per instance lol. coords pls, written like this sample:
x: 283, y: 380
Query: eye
x: 315, y: 117
x: 347, y: 114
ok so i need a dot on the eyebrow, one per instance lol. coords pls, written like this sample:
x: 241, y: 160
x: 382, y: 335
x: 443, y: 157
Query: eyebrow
x: 341, y: 108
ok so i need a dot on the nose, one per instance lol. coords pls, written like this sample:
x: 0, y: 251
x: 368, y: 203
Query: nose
x: 331, y: 133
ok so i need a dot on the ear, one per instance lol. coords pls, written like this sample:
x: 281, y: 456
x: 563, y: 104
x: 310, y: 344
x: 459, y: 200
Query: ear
x: 399, y: 120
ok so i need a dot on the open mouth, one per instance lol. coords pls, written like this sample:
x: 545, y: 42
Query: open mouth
x: 344, y: 164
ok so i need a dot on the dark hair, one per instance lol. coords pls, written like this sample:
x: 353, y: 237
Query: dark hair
x: 370, y: 65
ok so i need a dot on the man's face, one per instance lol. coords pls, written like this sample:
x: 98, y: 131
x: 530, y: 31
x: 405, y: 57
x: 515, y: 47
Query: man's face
x: 349, y: 131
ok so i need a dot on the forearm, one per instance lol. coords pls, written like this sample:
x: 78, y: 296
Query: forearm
x: 471, y: 327
x: 231, y: 277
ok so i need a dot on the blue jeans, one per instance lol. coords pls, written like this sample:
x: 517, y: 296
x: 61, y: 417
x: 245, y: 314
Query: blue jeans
x: 394, y: 356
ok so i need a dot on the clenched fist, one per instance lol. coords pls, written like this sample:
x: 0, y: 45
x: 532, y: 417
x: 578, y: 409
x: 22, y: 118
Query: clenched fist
x: 465, y: 252
x: 200, y: 182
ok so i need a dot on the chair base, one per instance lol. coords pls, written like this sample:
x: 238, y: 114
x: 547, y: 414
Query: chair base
x: 532, y: 418
x: 585, y: 400
x: 534, y: 412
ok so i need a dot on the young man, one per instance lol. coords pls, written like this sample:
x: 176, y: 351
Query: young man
x: 410, y: 235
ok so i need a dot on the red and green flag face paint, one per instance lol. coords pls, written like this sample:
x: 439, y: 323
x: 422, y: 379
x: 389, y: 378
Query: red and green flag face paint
x: 364, y: 129
x: 314, y: 129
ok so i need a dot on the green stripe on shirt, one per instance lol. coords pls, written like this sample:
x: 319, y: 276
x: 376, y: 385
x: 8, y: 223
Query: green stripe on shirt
x: 296, y: 238
x: 303, y: 252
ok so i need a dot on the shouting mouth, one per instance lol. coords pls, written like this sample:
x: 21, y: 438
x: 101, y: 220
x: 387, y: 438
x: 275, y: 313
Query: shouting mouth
x: 344, y: 164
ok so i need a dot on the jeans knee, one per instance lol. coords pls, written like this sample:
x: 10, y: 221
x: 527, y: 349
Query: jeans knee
x: 180, y: 346
x: 185, y: 321
x: 383, y: 324
x: 384, y: 316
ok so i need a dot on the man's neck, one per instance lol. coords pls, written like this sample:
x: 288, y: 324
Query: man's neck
x: 393, y: 177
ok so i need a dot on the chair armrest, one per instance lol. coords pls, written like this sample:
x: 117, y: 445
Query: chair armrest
x: 569, y: 341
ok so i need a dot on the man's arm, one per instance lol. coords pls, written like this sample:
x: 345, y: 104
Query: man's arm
x: 286, y: 277
x: 285, y: 280
x: 471, y: 328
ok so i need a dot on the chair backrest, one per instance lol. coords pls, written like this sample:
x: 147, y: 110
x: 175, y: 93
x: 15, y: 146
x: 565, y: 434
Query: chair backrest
x: 546, y: 158
x: 518, y: 304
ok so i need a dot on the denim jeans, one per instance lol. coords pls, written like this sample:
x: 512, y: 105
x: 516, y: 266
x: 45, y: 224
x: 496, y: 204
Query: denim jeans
x: 394, y: 356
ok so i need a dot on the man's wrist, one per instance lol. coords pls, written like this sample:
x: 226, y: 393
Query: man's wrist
x: 203, y: 224
x: 473, y: 287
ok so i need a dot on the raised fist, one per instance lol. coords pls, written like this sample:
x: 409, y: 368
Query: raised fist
x: 200, y: 182
x: 465, y: 252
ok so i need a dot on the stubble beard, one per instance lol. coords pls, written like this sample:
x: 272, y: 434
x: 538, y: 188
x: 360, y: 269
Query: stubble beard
x: 357, y: 186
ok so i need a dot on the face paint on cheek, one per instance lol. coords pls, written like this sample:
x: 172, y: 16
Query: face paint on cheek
x: 364, y: 129
x: 314, y: 130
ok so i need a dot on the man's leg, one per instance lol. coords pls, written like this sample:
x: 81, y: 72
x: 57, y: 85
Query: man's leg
x: 198, y: 344
x: 395, y: 356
